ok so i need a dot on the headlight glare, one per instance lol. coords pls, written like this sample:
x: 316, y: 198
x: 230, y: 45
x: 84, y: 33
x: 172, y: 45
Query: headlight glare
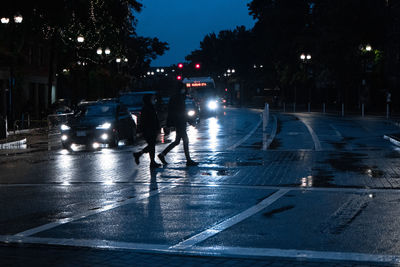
x: 65, y: 127
x: 212, y: 105
x: 104, y: 126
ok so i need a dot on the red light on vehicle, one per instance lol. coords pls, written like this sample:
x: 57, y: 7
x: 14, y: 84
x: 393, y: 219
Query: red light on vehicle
x: 197, y: 66
x: 180, y: 65
x: 179, y: 78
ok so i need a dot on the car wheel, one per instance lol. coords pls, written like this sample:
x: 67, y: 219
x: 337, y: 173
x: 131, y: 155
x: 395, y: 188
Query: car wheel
x: 65, y: 145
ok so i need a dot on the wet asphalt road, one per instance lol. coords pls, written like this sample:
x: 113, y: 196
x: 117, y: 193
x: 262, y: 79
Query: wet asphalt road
x: 324, y: 185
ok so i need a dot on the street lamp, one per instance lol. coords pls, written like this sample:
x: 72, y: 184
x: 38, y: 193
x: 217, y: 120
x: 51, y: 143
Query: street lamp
x: 99, y: 51
x: 80, y: 39
x: 118, y: 60
x: 107, y: 51
x: 18, y: 18
x: 5, y: 20
x: 305, y: 58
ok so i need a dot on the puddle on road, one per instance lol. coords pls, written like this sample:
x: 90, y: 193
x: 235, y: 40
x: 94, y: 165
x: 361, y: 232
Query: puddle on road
x: 269, y: 214
x: 243, y: 164
x: 338, y: 145
x: 351, y: 162
x: 275, y: 144
x: 216, y: 173
x: 322, y: 178
x: 392, y: 155
x: 256, y: 145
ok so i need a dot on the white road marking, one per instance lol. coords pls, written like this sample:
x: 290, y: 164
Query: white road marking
x: 241, y: 141
x: 336, y: 131
x: 317, y: 144
x: 294, y: 253
x: 51, y: 225
x: 230, y: 222
x: 216, y: 251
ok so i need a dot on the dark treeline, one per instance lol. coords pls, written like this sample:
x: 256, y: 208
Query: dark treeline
x: 343, y: 45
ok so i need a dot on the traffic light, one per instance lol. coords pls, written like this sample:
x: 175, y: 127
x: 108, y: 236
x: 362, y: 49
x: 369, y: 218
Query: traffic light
x: 180, y: 65
x: 179, y: 77
x: 197, y: 66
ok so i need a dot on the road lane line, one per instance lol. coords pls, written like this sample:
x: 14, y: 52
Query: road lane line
x: 241, y: 141
x: 317, y: 144
x: 214, y: 251
x: 88, y: 213
x: 230, y: 222
x: 297, y: 254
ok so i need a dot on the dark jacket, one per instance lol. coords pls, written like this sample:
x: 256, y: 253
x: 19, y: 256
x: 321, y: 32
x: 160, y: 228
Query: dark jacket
x: 149, y: 121
x: 177, y: 111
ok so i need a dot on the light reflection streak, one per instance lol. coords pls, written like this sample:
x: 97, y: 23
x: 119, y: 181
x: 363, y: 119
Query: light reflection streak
x: 213, y: 130
x: 192, y: 134
x: 307, y: 181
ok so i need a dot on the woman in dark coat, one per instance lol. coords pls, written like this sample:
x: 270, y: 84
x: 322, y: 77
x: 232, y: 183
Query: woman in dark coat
x: 150, y: 129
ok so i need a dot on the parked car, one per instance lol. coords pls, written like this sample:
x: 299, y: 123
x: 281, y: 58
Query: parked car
x: 192, y: 111
x: 98, y: 124
x: 134, y: 102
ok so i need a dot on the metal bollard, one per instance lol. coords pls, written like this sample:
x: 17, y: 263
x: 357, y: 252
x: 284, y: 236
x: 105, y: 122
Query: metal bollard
x: 265, y: 117
x: 362, y: 110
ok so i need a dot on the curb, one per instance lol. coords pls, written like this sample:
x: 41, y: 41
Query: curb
x: 13, y: 145
x: 392, y: 139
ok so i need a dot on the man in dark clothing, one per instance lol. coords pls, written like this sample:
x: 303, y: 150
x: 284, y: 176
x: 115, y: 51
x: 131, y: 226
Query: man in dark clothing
x: 150, y: 129
x: 177, y: 119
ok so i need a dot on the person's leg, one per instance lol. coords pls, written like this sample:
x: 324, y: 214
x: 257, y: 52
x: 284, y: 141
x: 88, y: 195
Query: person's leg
x: 185, y: 138
x: 161, y: 156
x: 173, y: 144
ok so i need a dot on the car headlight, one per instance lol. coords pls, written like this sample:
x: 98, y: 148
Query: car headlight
x: 191, y: 113
x: 104, y: 126
x: 212, y: 105
x: 65, y: 127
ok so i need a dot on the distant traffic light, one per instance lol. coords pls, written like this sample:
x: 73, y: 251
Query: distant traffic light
x: 179, y: 77
x: 197, y: 66
x: 180, y: 65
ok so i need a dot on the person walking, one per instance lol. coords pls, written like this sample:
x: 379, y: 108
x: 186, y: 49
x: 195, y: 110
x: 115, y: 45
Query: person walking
x: 150, y: 129
x: 177, y: 118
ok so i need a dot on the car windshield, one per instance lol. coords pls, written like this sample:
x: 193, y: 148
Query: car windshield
x: 134, y: 100
x: 96, y: 111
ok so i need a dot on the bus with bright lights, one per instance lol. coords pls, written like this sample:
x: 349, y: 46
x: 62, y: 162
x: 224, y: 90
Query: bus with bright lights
x: 203, y: 91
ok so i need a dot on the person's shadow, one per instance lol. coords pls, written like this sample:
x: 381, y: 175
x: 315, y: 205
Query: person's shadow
x: 153, y: 179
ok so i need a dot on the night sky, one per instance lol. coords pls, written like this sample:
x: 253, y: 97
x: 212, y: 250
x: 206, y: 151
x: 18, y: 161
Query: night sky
x: 184, y: 23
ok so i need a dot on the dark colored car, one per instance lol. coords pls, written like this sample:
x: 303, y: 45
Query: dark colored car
x: 134, y: 102
x: 98, y: 124
x: 192, y: 111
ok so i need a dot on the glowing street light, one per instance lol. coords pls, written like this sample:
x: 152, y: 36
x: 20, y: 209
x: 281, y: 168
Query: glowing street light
x: 107, y: 51
x: 125, y: 60
x: 18, y: 18
x: 118, y: 60
x: 99, y: 51
x: 5, y: 20
x: 368, y: 47
x: 80, y: 39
